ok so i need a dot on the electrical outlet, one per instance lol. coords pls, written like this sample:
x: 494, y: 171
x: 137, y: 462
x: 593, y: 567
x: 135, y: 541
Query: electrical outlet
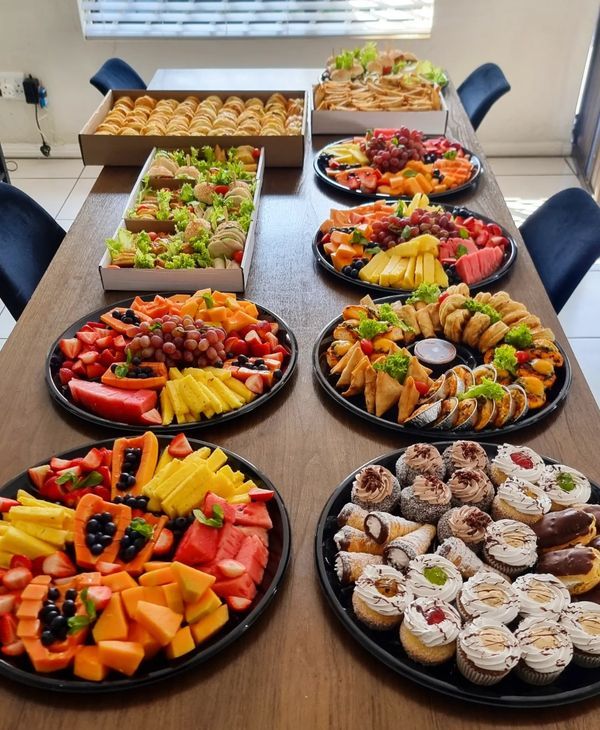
x: 11, y: 85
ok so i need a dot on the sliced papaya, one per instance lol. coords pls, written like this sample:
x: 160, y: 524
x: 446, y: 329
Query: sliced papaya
x: 91, y: 504
x: 88, y: 665
x: 181, y: 644
x: 117, y: 324
x: 139, y: 634
x: 148, y: 444
x: 210, y: 624
x: 112, y: 624
x: 118, y: 582
x: 156, y: 381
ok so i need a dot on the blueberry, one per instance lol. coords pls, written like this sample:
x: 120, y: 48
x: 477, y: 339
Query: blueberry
x: 181, y: 523
x: 277, y: 375
x: 49, y: 616
x: 129, y: 553
x: 136, y: 361
x: 48, y: 602
x: 122, y: 486
x: 105, y: 540
x: 53, y: 594
x: 260, y: 362
x: 71, y: 594
x: 130, y: 313
x: 91, y: 538
x: 117, y: 499
x: 242, y: 359
x: 92, y: 527
x: 140, y: 503
x: 139, y: 542
x: 358, y: 264
x: 116, y: 314
x: 131, y: 480
x: 347, y: 270
x: 106, y: 517
x: 131, y: 501
x: 47, y: 638
x: 353, y: 274
x: 69, y: 608
x: 97, y: 548
x: 125, y: 541
x: 110, y: 528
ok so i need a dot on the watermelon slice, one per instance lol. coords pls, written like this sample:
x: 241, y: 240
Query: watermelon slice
x: 253, y: 555
x: 116, y: 404
x: 242, y: 586
x: 230, y: 541
x: 260, y: 532
x: 228, y: 509
x: 448, y: 248
x: 255, y: 514
x: 199, y: 545
x: 475, y: 267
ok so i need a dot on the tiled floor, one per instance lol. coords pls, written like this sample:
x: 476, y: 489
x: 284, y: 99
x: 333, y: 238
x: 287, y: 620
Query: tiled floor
x: 61, y: 186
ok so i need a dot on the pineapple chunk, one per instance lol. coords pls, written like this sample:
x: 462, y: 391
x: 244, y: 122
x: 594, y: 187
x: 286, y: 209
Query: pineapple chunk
x: 50, y: 516
x: 216, y: 460
x: 47, y: 534
x: 18, y: 542
x: 240, y: 389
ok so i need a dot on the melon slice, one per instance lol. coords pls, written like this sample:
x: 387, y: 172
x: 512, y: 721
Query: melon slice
x: 173, y: 597
x: 88, y: 665
x: 151, y: 594
x: 210, y: 624
x: 139, y: 635
x: 118, y: 582
x: 159, y: 621
x: 159, y: 577
x: 182, y: 643
x: 122, y: 656
x: 193, y: 583
x: 112, y: 624
x: 207, y: 604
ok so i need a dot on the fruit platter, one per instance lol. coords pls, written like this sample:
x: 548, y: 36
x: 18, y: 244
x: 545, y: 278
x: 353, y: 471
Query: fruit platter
x: 130, y: 560
x: 469, y: 365
x: 397, y: 163
x: 172, y: 363
x: 386, y: 245
x: 470, y: 568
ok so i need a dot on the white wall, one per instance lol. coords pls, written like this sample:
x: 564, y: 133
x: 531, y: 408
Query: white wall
x: 540, y: 44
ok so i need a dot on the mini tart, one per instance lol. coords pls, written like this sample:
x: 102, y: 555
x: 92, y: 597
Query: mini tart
x: 569, y: 527
x: 419, y: 459
x: 429, y: 630
x: 426, y: 500
x: 467, y: 523
x: 582, y: 621
x: 510, y: 547
x: 546, y: 649
x: 471, y: 486
x: 516, y: 461
x: 565, y: 486
x: 486, y: 652
x: 490, y: 596
x: 518, y: 499
x: 375, y: 488
x: 432, y: 576
x: 465, y: 455
x: 380, y: 597
x: 541, y: 594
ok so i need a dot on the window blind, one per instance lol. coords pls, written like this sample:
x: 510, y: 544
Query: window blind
x: 255, y: 18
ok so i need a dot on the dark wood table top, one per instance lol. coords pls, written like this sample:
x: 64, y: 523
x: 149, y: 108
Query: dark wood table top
x: 297, y: 668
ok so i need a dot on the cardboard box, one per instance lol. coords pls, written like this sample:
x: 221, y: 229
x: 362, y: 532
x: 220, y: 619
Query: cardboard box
x: 104, y: 149
x: 355, y: 122
x: 181, y: 280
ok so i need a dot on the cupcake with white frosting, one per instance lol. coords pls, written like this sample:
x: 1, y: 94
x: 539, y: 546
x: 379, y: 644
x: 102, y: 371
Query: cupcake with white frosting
x: 486, y: 651
x: 516, y: 461
x: 432, y: 576
x: 429, y: 630
x: 380, y: 597
x: 375, y: 488
x: 582, y: 621
x: 489, y: 596
x: 546, y: 650
x: 471, y: 486
x: 565, y: 486
x: 510, y: 547
x: 465, y: 455
x: 541, y: 594
x: 518, y: 499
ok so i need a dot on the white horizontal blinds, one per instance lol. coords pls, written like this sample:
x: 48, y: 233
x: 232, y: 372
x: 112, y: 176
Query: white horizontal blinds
x: 258, y: 18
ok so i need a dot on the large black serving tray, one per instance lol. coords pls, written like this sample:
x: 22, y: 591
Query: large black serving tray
x: 20, y: 670
x: 61, y: 394
x: 573, y: 685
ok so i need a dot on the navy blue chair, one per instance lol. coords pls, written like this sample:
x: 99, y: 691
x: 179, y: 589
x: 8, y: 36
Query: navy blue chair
x: 481, y: 90
x: 563, y: 238
x: 116, y: 74
x: 29, y: 238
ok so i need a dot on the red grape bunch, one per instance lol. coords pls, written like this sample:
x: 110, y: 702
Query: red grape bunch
x: 391, y: 154
x: 392, y: 229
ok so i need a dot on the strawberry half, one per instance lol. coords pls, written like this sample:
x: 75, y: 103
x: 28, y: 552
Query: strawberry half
x: 99, y: 596
x: 231, y: 568
x: 237, y: 603
x: 164, y: 544
x: 6, y: 504
x: 15, y: 649
x: 8, y: 629
x: 7, y: 603
x: 16, y: 579
x: 180, y: 446
x: 58, y: 565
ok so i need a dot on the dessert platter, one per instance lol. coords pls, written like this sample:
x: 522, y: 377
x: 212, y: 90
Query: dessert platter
x: 397, y: 163
x: 171, y: 363
x: 471, y: 569
x: 386, y: 245
x: 128, y: 561
x: 470, y: 365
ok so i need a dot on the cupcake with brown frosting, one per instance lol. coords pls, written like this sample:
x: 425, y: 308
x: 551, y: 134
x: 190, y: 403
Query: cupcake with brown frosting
x: 465, y: 455
x: 426, y: 500
x: 467, y: 523
x: 419, y: 460
x: 375, y: 488
x: 471, y: 486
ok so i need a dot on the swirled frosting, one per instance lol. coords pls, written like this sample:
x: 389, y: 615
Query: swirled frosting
x: 432, y: 490
x: 470, y: 485
x: 373, y: 484
x: 524, y: 496
x: 383, y: 589
x: 468, y: 523
x: 467, y: 455
x: 433, y: 576
x: 511, y: 542
x: 490, y: 596
x: 519, y: 461
x: 582, y: 621
x: 432, y: 621
x: 489, y: 645
x: 564, y: 485
x: 541, y: 594
x: 545, y: 645
x: 424, y: 458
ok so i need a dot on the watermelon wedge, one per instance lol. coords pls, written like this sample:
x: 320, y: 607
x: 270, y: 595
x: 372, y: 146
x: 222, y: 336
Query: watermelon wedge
x: 242, y: 586
x: 199, y: 544
x: 253, y: 555
x: 256, y: 514
x: 230, y: 541
x: 116, y: 404
x: 475, y: 267
x: 448, y: 248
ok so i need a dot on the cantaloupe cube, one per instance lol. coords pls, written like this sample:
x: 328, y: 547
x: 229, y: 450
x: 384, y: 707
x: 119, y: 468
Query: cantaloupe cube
x: 173, y: 597
x: 122, y: 656
x: 88, y: 665
x: 112, y: 624
x: 159, y: 621
x: 193, y: 583
x: 139, y: 635
x: 88, y: 579
x: 182, y: 643
x: 159, y: 577
x: 207, y: 604
x: 118, y: 582
x: 150, y: 594
x: 210, y: 624
x: 155, y: 565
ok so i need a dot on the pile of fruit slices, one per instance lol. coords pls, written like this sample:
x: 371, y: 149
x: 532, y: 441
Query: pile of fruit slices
x: 182, y: 358
x: 153, y: 563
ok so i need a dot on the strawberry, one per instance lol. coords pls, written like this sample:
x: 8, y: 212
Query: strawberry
x: 58, y: 464
x: 6, y: 504
x: 261, y: 495
x: 103, y: 342
x: 92, y: 460
x: 21, y: 561
x: 79, y: 369
x: 238, y: 256
x: 88, y: 338
x: 221, y: 189
x: 107, y: 357
x: 260, y: 349
x: 236, y: 346
x: 70, y: 348
x: 94, y: 371
x: 164, y: 544
x: 88, y: 358
x: 7, y: 603
x: 255, y: 383
x: 108, y: 568
x: 230, y: 568
x: 37, y: 566
x: 522, y: 460
x: 107, y: 461
x: 99, y: 596
x: 8, y: 629
x: 151, y: 417
x: 236, y: 603
x: 180, y: 446
x: 58, y: 565
x: 15, y: 649
x: 16, y: 579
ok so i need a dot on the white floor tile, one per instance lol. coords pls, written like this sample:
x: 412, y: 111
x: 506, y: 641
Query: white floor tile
x: 49, y: 193
x: 76, y: 199
x: 66, y: 224
x: 91, y: 171
x: 535, y: 186
x: 587, y: 352
x: 47, y: 168
x: 579, y: 315
x: 6, y: 324
x: 530, y: 166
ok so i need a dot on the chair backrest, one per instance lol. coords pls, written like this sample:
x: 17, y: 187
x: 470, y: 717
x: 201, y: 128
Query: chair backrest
x: 481, y: 90
x: 29, y: 238
x: 563, y: 238
x: 116, y: 74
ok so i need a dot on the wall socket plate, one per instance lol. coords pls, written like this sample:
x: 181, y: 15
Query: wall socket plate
x: 11, y: 85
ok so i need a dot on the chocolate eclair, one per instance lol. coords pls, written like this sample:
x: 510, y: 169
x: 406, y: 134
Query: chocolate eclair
x: 558, y: 530
x: 577, y: 567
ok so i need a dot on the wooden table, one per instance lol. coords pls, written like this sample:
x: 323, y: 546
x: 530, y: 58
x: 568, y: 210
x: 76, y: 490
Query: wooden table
x: 297, y: 668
